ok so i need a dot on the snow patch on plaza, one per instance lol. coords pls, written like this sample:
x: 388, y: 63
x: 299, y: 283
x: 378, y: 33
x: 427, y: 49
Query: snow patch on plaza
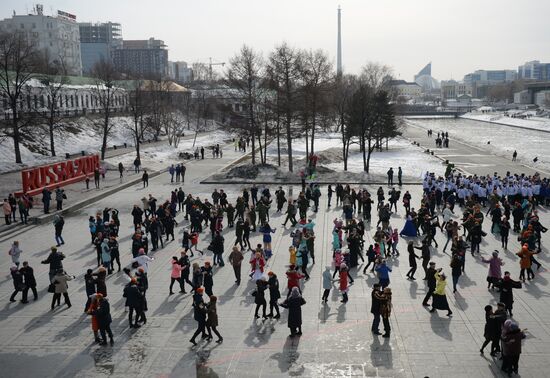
x: 533, y: 122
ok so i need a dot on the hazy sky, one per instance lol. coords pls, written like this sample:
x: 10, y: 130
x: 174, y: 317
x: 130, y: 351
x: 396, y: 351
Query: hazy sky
x: 456, y: 36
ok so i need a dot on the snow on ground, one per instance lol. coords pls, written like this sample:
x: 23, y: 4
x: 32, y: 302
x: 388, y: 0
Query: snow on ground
x: 535, y: 123
x: 400, y: 152
x: 504, y: 140
x: 162, y: 156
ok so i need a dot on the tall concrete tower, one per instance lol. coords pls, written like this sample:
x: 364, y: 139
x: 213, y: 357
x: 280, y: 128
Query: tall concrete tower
x: 339, y: 48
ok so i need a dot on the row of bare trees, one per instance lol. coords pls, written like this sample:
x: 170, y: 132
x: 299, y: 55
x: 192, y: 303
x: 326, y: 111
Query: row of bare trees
x: 294, y: 93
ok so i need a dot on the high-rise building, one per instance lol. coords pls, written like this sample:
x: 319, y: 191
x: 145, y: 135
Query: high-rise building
x: 97, y: 42
x: 339, y: 44
x: 490, y: 77
x: 180, y: 72
x: 425, y: 80
x: 142, y: 58
x: 534, y: 70
x: 57, y: 35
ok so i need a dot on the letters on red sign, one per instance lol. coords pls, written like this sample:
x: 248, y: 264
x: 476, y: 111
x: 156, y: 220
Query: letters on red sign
x: 58, y: 174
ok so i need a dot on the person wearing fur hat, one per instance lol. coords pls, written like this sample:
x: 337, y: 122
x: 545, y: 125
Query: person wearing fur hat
x: 511, y: 338
x: 439, y: 301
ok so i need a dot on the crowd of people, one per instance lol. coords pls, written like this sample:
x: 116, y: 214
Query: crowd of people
x: 456, y: 205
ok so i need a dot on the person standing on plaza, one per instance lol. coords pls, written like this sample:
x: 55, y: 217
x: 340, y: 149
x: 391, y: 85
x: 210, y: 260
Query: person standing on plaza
x: 90, y: 286
x: 104, y: 320
x: 512, y: 337
x: 274, y: 295
x: 145, y: 178
x: 494, y: 275
x: 120, y: 169
x: 456, y: 269
x: 212, y: 320
x: 327, y: 284
x: 385, y: 310
x: 58, y: 223
x: 96, y: 178
x: 259, y: 298
x: 439, y: 301
x: 376, y: 302
x: 29, y: 281
x: 235, y: 259
x: 412, y: 261
x: 383, y: 274
x: 134, y: 301
x: 46, y: 198
x: 506, y: 294
x: 18, y: 284
x: 60, y: 283
x: 431, y: 282
x: 185, y: 270
x: 7, y: 211
x: 343, y: 277
x: 15, y: 253
x: 54, y: 259
x: 294, y: 305
x: 525, y: 263
x: 59, y: 196
x: 390, y: 176
x: 399, y: 176
x: 175, y: 275
x: 199, y: 314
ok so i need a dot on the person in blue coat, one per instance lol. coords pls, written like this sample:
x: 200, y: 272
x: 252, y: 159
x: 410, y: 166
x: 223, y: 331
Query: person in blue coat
x: 383, y: 274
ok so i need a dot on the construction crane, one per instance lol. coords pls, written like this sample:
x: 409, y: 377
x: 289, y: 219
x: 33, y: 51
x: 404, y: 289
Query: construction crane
x: 210, y: 67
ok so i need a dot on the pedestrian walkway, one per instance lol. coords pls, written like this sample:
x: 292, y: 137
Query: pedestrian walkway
x: 336, y: 340
x: 471, y: 159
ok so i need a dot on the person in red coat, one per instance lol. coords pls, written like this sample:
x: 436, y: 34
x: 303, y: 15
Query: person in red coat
x: 343, y: 278
x: 293, y: 277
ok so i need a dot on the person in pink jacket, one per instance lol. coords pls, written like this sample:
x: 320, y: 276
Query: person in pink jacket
x: 176, y: 273
x: 495, y: 273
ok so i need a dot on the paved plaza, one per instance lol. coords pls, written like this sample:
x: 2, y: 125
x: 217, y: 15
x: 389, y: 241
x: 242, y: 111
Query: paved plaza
x: 336, y: 341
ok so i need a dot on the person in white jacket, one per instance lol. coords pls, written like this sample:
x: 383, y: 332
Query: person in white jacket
x: 142, y: 259
x: 447, y: 216
x: 15, y: 253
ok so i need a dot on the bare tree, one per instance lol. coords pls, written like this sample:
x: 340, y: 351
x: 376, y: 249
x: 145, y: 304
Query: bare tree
x: 283, y: 72
x: 54, y: 81
x: 173, y: 123
x: 342, y: 93
x: 316, y: 75
x: 138, y: 102
x: 104, y: 91
x: 244, y: 76
x: 18, y: 59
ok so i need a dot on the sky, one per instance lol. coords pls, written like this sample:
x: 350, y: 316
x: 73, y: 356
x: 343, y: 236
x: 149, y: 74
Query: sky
x: 458, y: 37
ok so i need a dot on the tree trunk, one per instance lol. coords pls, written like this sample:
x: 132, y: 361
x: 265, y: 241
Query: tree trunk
x: 278, y: 141
x: 265, y: 139
x: 289, y: 142
x: 16, y: 136
x: 307, y: 144
x: 52, y: 143
x: 253, y: 135
x: 365, y: 163
x: 313, y: 116
x: 105, y: 132
x: 368, y: 155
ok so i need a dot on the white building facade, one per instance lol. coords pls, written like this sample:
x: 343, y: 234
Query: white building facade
x: 58, y: 35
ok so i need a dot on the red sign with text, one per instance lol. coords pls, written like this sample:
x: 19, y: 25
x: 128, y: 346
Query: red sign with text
x: 57, y: 174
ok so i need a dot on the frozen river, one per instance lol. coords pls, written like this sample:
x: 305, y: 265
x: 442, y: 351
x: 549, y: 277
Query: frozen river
x: 504, y: 139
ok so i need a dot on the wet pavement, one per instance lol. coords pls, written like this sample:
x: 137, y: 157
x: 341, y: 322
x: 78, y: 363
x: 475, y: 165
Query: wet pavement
x: 336, y: 340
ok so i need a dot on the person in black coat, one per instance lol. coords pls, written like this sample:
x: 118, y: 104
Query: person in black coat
x: 185, y: 264
x: 431, y: 281
x: 30, y: 281
x: 507, y: 284
x: 294, y: 305
x: 103, y: 315
x: 199, y: 314
x: 412, y: 261
x: 90, y: 283
x: 259, y: 298
x: 134, y: 300
x: 55, y: 260
x: 18, y: 284
x: 375, y: 308
x: 274, y: 295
